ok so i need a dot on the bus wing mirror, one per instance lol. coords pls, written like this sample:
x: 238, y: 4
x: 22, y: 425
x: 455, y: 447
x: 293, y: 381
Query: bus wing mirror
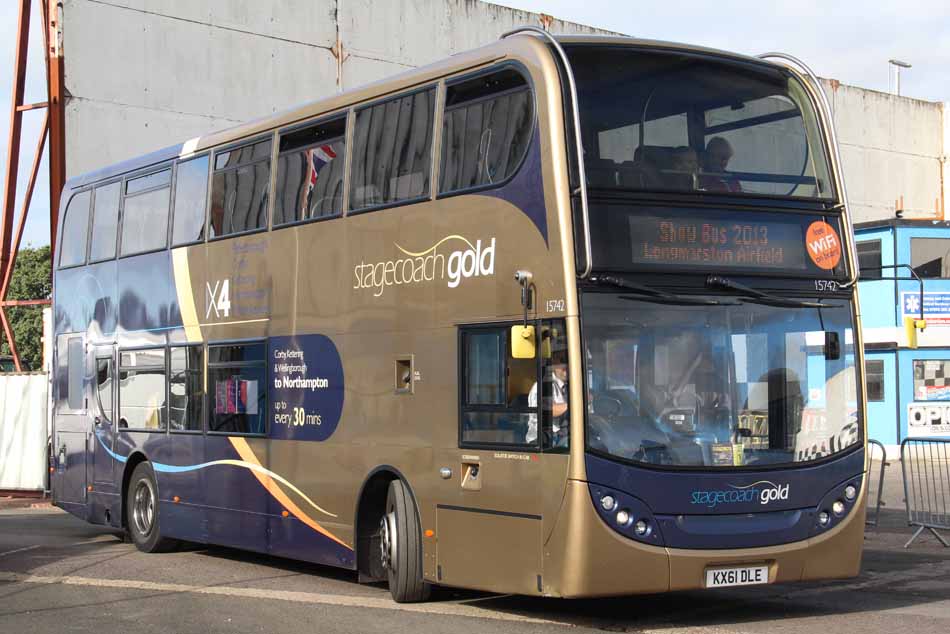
x: 522, y: 342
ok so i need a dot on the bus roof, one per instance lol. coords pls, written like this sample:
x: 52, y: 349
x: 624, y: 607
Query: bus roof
x: 368, y: 92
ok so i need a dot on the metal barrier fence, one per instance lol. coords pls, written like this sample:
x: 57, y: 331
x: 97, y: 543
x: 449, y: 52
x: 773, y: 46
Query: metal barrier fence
x: 925, y: 465
x: 874, y: 510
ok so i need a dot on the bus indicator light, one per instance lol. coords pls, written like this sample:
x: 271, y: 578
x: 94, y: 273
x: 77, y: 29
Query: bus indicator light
x: 429, y: 532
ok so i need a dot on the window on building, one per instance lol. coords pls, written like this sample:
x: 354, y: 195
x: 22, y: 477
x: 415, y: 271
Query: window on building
x: 238, y: 388
x: 145, y: 213
x: 239, y: 189
x: 105, y: 222
x: 931, y: 379
x: 72, y: 246
x: 310, y: 173
x: 392, y: 150
x: 486, y: 130
x: 104, y: 386
x: 186, y: 394
x: 874, y: 368
x: 930, y: 257
x: 869, y: 259
x: 501, y: 395
x: 191, y: 197
x: 142, y: 389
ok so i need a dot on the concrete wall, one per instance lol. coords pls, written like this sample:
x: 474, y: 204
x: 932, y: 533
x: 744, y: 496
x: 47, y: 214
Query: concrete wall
x: 143, y: 74
x: 891, y: 147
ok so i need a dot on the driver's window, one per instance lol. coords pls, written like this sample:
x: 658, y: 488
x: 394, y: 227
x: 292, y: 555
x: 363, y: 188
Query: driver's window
x: 104, y: 386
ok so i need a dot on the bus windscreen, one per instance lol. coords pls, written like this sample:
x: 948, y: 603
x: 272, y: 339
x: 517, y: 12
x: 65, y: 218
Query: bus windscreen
x: 655, y: 120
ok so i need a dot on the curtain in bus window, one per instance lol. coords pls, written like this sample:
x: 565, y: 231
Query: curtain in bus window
x: 484, y: 141
x: 72, y: 248
x: 105, y: 222
x: 310, y: 183
x: 142, y: 389
x: 191, y: 193
x: 392, y: 151
x: 186, y: 389
x: 145, y: 221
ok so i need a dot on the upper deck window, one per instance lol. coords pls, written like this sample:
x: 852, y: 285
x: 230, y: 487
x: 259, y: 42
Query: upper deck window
x: 105, y: 222
x: 145, y: 213
x: 485, y: 131
x: 310, y: 173
x: 72, y: 247
x: 392, y: 151
x: 191, y: 198
x: 240, y: 188
x: 672, y: 121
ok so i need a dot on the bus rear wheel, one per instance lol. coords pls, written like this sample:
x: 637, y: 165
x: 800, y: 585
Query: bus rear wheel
x: 400, y: 544
x: 142, y: 516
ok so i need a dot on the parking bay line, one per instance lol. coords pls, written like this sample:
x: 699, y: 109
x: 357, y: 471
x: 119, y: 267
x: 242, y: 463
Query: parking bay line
x: 445, y: 609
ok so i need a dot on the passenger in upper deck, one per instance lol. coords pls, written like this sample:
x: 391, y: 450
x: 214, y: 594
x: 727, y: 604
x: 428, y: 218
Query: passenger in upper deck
x: 715, y: 160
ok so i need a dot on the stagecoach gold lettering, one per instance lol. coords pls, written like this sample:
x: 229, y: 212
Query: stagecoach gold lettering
x: 427, y: 266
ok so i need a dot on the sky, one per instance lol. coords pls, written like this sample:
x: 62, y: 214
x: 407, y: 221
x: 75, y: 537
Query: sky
x: 847, y: 40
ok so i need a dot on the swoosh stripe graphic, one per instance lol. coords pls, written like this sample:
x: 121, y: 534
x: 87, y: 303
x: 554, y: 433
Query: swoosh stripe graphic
x: 749, y: 486
x: 436, y: 245
x: 266, y: 477
x: 186, y: 300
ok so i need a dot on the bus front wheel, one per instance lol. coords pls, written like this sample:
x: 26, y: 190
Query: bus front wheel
x: 142, y: 517
x: 400, y: 542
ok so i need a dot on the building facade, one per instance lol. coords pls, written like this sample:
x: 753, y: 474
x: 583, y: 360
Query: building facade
x: 908, y: 373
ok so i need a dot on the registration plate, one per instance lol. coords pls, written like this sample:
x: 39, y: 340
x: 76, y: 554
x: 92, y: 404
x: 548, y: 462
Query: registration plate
x: 738, y: 576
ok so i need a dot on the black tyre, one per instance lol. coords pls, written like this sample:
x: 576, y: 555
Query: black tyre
x: 401, y: 546
x: 141, y: 512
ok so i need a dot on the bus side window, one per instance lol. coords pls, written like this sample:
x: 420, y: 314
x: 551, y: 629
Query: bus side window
x: 191, y: 197
x: 186, y: 388
x: 310, y: 172
x: 73, y: 373
x: 486, y: 130
x: 105, y: 222
x: 72, y: 246
x: 238, y: 388
x: 239, y: 189
x: 392, y: 149
x: 145, y: 213
x: 496, y: 390
x: 142, y: 389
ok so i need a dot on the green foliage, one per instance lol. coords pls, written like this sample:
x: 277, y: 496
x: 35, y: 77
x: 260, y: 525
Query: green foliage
x: 31, y: 280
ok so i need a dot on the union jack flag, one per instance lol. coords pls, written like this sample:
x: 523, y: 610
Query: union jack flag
x: 317, y: 158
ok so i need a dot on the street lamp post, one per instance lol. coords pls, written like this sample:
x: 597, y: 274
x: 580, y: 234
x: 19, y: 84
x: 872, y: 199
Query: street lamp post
x: 898, y: 65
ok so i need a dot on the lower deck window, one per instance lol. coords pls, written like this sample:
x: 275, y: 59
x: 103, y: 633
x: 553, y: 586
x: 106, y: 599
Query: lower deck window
x: 142, y: 389
x: 238, y: 389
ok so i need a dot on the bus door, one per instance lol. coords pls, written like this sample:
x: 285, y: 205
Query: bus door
x: 102, y: 413
x: 491, y: 522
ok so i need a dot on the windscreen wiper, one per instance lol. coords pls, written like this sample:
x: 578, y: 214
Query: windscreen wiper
x: 718, y: 281
x: 655, y: 295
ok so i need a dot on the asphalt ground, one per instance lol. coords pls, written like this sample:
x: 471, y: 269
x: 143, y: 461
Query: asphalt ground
x: 58, y: 574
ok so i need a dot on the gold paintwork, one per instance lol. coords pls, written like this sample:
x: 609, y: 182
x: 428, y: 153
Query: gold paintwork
x: 545, y: 537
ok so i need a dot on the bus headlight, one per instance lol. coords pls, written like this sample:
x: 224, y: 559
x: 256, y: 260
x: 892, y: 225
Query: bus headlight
x: 623, y: 517
x: 641, y: 528
x: 850, y: 492
x: 608, y: 503
x: 838, y: 507
x: 824, y: 518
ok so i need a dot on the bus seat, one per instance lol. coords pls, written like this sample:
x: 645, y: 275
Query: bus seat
x: 601, y: 172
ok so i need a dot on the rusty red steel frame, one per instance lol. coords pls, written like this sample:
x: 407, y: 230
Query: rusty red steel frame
x: 52, y: 129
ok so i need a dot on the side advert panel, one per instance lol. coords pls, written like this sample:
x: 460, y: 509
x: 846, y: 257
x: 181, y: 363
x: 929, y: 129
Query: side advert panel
x: 306, y: 380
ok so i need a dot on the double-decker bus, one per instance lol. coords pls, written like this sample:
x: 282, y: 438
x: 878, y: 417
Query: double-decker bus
x: 558, y: 316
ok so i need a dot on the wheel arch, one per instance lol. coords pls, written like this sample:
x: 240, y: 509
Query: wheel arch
x: 370, y: 504
x: 135, y: 459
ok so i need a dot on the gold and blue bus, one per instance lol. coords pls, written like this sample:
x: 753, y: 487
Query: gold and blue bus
x: 560, y: 316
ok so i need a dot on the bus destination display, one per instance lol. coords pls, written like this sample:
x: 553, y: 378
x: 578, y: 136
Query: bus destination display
x: 693, y: 241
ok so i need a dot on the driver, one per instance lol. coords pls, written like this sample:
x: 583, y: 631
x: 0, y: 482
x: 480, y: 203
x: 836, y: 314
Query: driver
x: 556, y: 404
x: 715, y: 160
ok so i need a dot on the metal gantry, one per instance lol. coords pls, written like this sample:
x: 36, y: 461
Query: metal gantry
x: 52, y: 130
